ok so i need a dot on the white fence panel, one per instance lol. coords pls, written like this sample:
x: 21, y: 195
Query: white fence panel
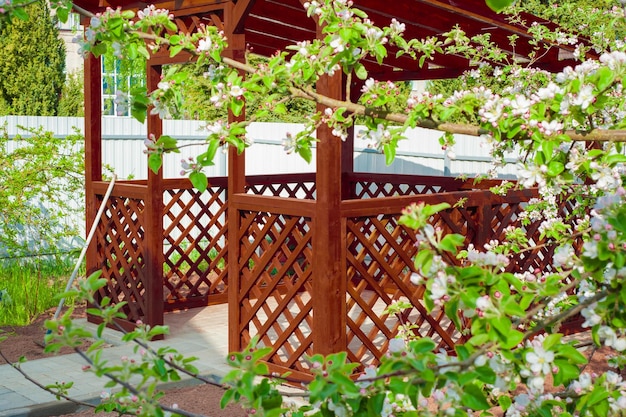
x: 123, y: 149
x: 123, y: 137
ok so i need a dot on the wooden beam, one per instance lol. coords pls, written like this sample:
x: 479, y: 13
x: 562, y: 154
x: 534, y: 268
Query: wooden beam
x: 236, y: 185
x: 347, y: 147
x: 153, y: 218
x: 93, y: 149
x: 329, y: 235
x: 239, y: 14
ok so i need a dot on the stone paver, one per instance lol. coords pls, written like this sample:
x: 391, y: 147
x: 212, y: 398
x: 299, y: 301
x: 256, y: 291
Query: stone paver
x: 199, y: 332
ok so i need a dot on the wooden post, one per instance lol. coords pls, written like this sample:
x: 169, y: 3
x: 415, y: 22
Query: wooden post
x: 153, y: 221
x: 347, y: 151
x: 93, y: 149
x: 347, y: 166
x: 329, y: 235
x: 236, y: 185
x: 484, y: 215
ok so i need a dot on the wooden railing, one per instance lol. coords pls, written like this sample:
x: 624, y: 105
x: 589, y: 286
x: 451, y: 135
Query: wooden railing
x: 275, y: 263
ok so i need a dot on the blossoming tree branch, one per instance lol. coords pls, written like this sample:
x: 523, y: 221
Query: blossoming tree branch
x: 568, y: 130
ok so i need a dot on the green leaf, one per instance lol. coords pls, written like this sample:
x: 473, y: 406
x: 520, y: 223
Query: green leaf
x: 512, y: 308
x: 423, y: 261
x: 175, y: 50
x: 555, y: 168
x: 513, y: 338
x: 93, y: 312
x: 306, y: 153
x: 451, y: 309
x: 199, y: 180
x: 486, y: 374
x: 502, y: 325
x: 605, y: 78
x: 548, y: 148
x: 155, y: 162
x: 451, y: 242
x: 159, y: 367
x: 601, y: 409
x: 236, y: 106
x: 206, y: 158
x: 567, y: 372
x: 474, y: 398
x: 552, y: 340
x: 99, y: 49
x: 499, y: 5
x: 360, y: 71
x: 280, y: 108
x: 504, y: 401
x: 447, y: 112
x: 423, y: 345
x: 390, y: 153
x: 116, y: 26
x: 168, y: 143
x: 143, y: 51
x: 462, y: 352
x: 572, y: 354
x: 431, y: 209
x: 20, y: 13
x: 63, y: 14
x: 139, y: 111
x: 227, y: 398
x: 375, y: 405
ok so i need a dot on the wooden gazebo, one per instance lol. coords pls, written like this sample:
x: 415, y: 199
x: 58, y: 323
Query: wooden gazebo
x: 306, y: 262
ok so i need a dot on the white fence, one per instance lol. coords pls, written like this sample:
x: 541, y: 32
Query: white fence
x: 123, y: 146
x: 123, y: 149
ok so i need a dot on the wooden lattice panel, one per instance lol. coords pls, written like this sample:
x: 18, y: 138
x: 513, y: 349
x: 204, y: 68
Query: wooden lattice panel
x: 539, y: 258
x: 380, y: 262
x: 372, y: 189
x: 301, y: 186
x: 194, y: 244
x: 380, y: 257
x: 275, y: 275
x: 120, y: 247
x: 385, y: 185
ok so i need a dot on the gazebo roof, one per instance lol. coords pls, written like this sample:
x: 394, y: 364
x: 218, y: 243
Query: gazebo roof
x: 271, y: 25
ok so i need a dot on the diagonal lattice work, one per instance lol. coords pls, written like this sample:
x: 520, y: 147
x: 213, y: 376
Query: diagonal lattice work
x: 194, y: 246
x: 301, y: 186
x: 380, y: 256
x: 540, y: 257
x: 385, y: 185
x: 275, y: 274
x: 120, y: 250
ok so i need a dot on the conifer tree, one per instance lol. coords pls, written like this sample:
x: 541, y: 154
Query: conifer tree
x: 32, y: 64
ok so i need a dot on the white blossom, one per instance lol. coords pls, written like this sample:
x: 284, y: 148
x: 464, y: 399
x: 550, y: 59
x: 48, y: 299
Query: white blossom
x: 289, y: 143
x: 439, y: 287
x: 337, y: 44
x: 396, y: 26
x: 520, y: 105
x: 367, y: 86
x: 540, y: 360
x: 584, y: 98
x: 236, y: 91
x: 204, y: 45
x: 397, y: 344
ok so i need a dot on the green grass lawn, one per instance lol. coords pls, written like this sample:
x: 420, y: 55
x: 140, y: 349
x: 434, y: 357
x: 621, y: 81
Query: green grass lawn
x: 29, y: 288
